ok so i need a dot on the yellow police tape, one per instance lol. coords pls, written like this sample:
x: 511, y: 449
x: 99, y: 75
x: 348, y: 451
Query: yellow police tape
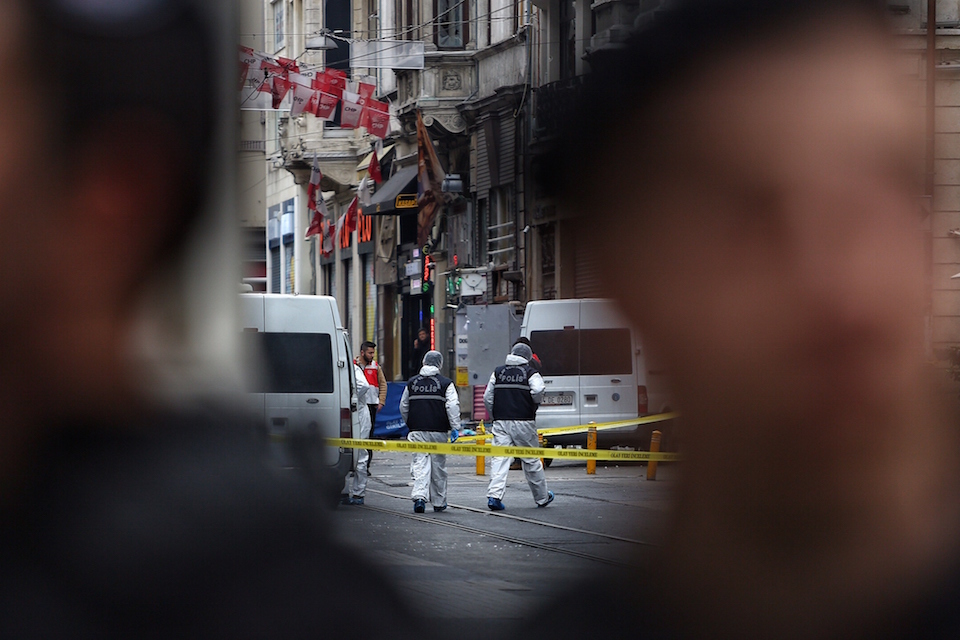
x: 583, y: 428
x: 490, y: 450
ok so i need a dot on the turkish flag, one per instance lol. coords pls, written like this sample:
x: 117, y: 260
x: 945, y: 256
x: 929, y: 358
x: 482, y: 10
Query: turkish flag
x: 351, y: 222
x: 374, y: 169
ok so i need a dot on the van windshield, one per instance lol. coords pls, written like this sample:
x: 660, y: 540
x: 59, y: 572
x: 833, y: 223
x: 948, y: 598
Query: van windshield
x: 586, y: 352
x: 292, y: 362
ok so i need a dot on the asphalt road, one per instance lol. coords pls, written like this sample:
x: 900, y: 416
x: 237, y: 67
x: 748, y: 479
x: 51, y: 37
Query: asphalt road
x: 476, y: 572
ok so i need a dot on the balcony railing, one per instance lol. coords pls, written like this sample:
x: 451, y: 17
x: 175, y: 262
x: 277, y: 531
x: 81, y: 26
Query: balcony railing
x: 555, y: 103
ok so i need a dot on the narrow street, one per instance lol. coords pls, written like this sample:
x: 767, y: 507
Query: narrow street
x: 461, y: 568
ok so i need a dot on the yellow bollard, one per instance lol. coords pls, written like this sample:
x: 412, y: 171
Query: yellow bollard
x: 540, y: 444
x: 654, y: 448
x: 592, y: 445
x: 481, y: 460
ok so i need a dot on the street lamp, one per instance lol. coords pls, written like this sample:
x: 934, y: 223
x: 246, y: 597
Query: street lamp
x: 320, y: 41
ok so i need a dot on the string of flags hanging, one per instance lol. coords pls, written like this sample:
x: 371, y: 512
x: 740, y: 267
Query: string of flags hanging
x: 277, y: 83
x: 321, y: 223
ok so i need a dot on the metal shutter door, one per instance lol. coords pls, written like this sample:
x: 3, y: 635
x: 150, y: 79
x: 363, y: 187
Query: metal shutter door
x: 275, y: 270
x: 587, y: 272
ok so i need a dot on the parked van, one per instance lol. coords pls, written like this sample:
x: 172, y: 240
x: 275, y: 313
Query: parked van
x: 304, y: 387
x: 595, y: 370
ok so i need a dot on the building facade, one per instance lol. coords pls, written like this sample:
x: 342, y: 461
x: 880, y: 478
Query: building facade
x: 496, y: 82
x: 941, y: 213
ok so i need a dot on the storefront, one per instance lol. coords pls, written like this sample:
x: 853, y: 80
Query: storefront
x: 413, y: 301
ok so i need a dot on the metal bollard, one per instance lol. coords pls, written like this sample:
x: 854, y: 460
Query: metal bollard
x: 481, y: 460
x: 654, y: 448
x: 592, y: 445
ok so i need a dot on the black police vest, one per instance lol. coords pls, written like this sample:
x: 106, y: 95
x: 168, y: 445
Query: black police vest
x: 428, y: 403
x: 511, y: 393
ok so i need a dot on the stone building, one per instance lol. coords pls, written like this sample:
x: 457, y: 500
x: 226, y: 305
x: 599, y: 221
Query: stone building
x: 942, y: 216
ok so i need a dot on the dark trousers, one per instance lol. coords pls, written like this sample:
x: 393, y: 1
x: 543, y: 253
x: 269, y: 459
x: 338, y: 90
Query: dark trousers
x: 373, y: 423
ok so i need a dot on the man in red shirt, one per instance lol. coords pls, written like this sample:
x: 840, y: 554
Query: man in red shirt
x: 376, y: 396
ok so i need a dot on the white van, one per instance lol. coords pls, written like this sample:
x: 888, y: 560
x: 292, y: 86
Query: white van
x: 595, y: 370
x: 304, y: 388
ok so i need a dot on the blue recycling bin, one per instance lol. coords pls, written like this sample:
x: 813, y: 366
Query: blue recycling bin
x: 389, y: 423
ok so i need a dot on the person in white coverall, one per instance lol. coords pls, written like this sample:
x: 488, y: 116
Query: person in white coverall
x: 431, y: 408
x: 357, y: 484
x: 512, y: 397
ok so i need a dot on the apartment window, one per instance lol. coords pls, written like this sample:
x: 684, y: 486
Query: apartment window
x: 452, y: 24
x: 279, y: 23
x: 407, y: 19
x: 337, y: 18
x: 568, y: 42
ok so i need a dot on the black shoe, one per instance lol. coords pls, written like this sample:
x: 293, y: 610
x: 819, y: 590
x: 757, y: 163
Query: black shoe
x: 419, y: 506
x: 436, y: 509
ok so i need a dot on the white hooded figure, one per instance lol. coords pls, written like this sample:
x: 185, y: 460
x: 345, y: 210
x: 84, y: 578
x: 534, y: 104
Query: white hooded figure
x: 512, y: 397
x: 356, y: 483
x: 431, y: 408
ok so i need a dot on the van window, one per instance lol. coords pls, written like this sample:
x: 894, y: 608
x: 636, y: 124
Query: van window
x: 558, y: 351
x: 294, y: 362
x: 587, y: 352
x: 605, y: 352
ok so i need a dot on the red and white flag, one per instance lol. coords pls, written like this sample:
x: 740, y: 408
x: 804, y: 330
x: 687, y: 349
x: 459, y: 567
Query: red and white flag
x: 374, y: 169
x: 288, y: 64
x: 257, y: 94
x: 302, y: 97
x: 315, y: 204
x: 328, y: 84
x: 326, y: 105
x: 298, y: 78
x: 351, y: 109
x: 279, y: 89
x: 247, y: 60
x: 337, y: 78
x: 376, y: 119
x: 366, y: 90
x: 363, y: 191
x: 351, y: 215
x: 271, y: 67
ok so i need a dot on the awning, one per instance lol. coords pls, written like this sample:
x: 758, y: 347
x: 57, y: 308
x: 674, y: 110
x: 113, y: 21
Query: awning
x: 396, y: 196
x: 365, y: 163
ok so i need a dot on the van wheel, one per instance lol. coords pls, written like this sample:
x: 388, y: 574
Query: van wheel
x: 547, y: 462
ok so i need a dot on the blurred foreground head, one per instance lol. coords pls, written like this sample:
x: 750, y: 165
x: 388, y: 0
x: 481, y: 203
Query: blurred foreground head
x: 106, y: 139
x: 756, y: 165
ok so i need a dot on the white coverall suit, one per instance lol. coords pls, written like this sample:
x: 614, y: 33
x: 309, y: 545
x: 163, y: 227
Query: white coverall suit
x: 429, y: 471
x: 516, y: 433
x: 357, y: 485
